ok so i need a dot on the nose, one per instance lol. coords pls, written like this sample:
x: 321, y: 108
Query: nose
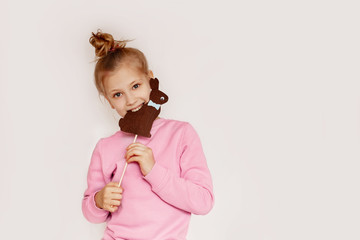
x: 130, y: 99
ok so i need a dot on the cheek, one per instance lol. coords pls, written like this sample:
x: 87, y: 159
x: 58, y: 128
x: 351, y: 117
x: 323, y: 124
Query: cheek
x: 120, y: 106
x: 121, y: 112
x: 147, y: 93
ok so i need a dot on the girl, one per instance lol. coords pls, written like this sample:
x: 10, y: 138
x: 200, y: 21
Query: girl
x: 167, y: 178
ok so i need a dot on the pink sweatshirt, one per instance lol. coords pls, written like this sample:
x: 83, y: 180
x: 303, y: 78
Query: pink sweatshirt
x: 159, y: 205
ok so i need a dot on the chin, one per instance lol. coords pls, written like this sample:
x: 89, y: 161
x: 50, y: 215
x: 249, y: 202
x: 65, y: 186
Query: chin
x: 122, y: 115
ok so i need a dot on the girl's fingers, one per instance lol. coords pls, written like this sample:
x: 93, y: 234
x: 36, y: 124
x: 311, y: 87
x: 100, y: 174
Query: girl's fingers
x: 133, y: 159
x: 116, y: 190
x: 140, y: 148
x: 134, y: 151
x: 117, y: 196
x: 112, y: 191
x: 112, y: 208
x: 112, y: 184
x: 113, y: 188
x: 114, y: 196
x: 115, y: 203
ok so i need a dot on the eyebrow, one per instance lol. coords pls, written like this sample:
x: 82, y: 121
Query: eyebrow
x: 132, y: 83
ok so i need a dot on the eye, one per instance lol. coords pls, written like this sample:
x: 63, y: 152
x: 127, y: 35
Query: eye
x: 162, y: 98
x: 136, y: 86
x: 117, y: 95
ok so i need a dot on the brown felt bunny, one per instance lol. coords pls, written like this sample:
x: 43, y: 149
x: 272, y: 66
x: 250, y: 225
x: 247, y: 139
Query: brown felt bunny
x: 140, y: 122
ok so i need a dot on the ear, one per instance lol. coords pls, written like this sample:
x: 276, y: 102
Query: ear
x: 151, y: 74
x: 154, y: 83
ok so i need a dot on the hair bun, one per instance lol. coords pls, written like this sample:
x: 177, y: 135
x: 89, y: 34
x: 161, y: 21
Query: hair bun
x: 104, y: 42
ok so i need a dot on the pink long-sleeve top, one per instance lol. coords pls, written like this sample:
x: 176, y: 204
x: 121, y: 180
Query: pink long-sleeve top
x: 157, y: 206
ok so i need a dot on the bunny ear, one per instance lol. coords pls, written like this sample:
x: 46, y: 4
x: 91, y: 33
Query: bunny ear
x: 154, y: 83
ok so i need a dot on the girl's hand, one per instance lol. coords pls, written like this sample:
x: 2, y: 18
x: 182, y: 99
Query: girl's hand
x: 109, y: 198
x: 143, y: 155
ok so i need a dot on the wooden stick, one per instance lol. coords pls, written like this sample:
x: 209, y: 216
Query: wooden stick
x: 123, y: 173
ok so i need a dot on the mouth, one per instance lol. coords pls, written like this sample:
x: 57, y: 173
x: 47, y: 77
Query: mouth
x: 138, y: 108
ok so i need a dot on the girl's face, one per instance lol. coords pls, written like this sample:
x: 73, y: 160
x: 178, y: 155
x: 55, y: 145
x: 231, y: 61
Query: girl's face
x: 127, y: 89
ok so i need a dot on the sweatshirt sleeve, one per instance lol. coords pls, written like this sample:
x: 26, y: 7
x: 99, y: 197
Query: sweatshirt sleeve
x: 192, y: 191
x: 95, y: 181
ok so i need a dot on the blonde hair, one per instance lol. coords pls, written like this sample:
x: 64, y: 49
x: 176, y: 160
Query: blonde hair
x: 110, y: 54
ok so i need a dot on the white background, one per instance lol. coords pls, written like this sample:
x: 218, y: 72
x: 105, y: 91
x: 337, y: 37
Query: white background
x: 272, y: 88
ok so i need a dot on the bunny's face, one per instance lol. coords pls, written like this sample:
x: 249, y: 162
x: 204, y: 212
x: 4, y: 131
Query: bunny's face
x: 158, y: 97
